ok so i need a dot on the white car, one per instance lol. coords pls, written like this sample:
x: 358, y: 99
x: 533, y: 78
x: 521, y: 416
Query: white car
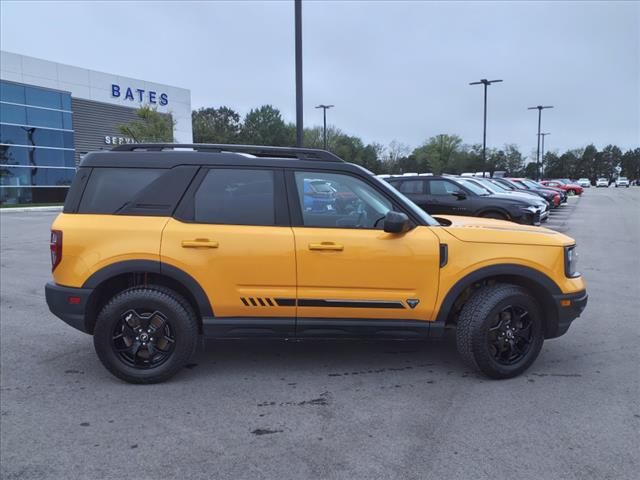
x: 622, y: 182
x: 584, y: 182
x: 602, y: 182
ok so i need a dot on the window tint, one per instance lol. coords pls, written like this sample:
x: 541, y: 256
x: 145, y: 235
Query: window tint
x: 109, y: 189
x: 43, y: 98
x: 412, y: 186
x: 236, y: 197
x: 442, y: 187
x: 343, y: 201
x: 10, y: 92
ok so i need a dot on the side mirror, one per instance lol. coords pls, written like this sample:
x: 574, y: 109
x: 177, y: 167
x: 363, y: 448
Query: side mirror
x: 396, y: 222
x: 460, y: 195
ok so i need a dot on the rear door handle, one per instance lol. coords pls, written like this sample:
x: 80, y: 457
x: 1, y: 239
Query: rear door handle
x: 326, y: 246
x: 199, y: 243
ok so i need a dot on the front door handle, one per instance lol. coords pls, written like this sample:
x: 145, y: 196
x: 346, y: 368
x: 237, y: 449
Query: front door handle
x: 326, y: 246
x: 199, y: 243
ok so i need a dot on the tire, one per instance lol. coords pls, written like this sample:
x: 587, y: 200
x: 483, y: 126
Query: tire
x: 476, y: 327
x: 495, y: 215
x: 149, y: 309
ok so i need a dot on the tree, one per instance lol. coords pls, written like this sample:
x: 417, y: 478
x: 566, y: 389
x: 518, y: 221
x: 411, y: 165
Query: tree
x: 216, y: 125
x: 151, y: 126
x: 437, y: 153
x: 265, y: 126
x: 631, y: 164
x: 514, y: 159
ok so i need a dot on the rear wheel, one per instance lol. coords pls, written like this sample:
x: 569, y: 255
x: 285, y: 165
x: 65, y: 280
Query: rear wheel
x: 145, y: 334
x: 500, y: 330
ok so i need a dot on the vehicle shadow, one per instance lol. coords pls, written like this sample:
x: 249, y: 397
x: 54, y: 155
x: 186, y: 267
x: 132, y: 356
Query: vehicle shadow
x: 335, y: 357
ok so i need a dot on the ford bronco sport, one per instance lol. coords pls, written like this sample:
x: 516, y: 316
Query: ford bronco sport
x: 160, y: 243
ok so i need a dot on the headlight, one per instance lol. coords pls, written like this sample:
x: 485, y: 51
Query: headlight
x: 532, y: 208
x: 570, y: 262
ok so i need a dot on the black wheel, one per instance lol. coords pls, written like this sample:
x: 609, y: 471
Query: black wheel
x: 500, y: 330
x: 145, y: 334
x: 496, y: 215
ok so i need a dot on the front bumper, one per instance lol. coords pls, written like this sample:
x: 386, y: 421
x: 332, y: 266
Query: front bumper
x: 569, y: 306
x: 69, y: 304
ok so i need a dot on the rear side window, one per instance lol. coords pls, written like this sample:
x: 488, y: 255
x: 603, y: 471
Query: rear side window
x: 412, y: 186
x: 111, y: 189
x: 236, y: 197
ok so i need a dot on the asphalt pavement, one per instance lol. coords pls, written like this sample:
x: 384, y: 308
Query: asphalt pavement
x: 330, y: 410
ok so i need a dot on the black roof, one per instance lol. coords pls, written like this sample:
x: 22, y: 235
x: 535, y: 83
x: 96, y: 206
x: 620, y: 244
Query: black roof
x: 167, y: 155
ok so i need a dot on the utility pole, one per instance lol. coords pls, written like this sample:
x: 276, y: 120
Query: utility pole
x: 324, y: 121
x: 486, y: 83
x: 299, y: 111
x: 539, y: 108
x: 542, y: 149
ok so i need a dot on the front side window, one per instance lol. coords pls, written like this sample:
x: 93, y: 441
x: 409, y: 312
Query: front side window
x: 338, y: 200
x: 442, y: 187
x: 236, y: 197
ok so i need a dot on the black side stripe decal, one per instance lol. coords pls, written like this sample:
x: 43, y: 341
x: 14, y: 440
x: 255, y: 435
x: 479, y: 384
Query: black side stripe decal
x: 308, y: 302
x: 314, y: 302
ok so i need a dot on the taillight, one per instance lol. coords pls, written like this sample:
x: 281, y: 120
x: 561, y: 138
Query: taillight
x: 56, y: 248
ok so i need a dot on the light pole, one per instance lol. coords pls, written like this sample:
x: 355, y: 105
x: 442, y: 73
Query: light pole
x: 539, y: 108
x: 542, y: 149
x: 324, y: 121
x: 298, y: 35
x: 486, y: 83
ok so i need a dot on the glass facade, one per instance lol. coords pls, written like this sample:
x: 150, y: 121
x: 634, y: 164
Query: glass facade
x: 36, y: 144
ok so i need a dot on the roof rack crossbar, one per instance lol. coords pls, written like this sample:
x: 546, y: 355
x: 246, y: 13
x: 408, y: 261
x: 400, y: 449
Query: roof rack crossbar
x: 257, y: 150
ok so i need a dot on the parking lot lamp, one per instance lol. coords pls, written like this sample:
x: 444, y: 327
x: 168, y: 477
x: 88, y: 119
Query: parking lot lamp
x: 324, y: 121
x: 486, y: 83
x: 542, y: 149
x: 298, y: 41
x: 539, y: 108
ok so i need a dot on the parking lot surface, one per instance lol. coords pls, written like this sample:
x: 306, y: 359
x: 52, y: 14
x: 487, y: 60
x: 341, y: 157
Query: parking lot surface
x: 330, y: 409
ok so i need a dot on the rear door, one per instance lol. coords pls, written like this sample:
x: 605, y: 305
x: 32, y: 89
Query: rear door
x: 232, y: 235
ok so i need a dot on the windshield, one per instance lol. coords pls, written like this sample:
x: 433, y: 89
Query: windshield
x: 530, y: 183
x: 489, y: 185
x: 474, y: 187
x: 622, y: 178
x: 497, y: 186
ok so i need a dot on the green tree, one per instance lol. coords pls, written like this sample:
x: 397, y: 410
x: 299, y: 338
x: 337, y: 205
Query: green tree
x: 265, y: 126
x: 631, y: 164
x: 216, y: 125
x: 151, y: 126
x: 438, y: 153
x: 514, y: 159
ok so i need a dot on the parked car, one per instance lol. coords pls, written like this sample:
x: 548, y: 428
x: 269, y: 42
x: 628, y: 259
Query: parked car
x: 219, y: 243
x: 552, y: 197
x: 319, y: 196
x: 584, y: 182
x: 571, y: 188
x: 496, y: 188
x: 439, y: 195
x: 602, y: 182
x: 622, y: 182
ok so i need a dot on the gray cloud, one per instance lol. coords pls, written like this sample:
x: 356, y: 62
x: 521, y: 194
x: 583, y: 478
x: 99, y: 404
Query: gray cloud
x: 394, y: 70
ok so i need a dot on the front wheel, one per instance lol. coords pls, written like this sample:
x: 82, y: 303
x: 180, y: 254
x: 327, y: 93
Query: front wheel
x: 500, y: 330
x: 145, y: 334
x: 496, y: 215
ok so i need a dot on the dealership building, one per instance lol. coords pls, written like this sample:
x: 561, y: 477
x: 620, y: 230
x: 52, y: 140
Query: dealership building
x: 52, y: 114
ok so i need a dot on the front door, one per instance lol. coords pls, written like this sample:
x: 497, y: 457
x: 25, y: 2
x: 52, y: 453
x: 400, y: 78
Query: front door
x: 447, y: 198
x: 347, y: 266
x: 232, y: 235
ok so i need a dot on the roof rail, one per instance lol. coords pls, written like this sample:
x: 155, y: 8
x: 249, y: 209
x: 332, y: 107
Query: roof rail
x: 257, y: 150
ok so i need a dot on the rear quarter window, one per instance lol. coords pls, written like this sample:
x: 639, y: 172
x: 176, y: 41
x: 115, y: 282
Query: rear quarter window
x: 110, y: 189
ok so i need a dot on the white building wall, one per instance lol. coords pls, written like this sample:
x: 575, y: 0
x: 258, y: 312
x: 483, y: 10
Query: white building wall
x: 97, y: 86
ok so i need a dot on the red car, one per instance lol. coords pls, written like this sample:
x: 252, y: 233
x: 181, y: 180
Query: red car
x: 567, y: 186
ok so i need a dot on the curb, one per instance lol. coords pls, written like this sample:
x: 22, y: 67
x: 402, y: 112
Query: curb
x: 31, y: 209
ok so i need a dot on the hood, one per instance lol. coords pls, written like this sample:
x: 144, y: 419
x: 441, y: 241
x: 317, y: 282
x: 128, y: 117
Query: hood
x: 487, y: 230
x: 518, y: 197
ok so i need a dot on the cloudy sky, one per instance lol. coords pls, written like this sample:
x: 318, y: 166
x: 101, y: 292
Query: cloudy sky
x: 394, y: 70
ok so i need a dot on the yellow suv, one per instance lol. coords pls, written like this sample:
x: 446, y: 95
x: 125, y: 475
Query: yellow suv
x: 161, y: 243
